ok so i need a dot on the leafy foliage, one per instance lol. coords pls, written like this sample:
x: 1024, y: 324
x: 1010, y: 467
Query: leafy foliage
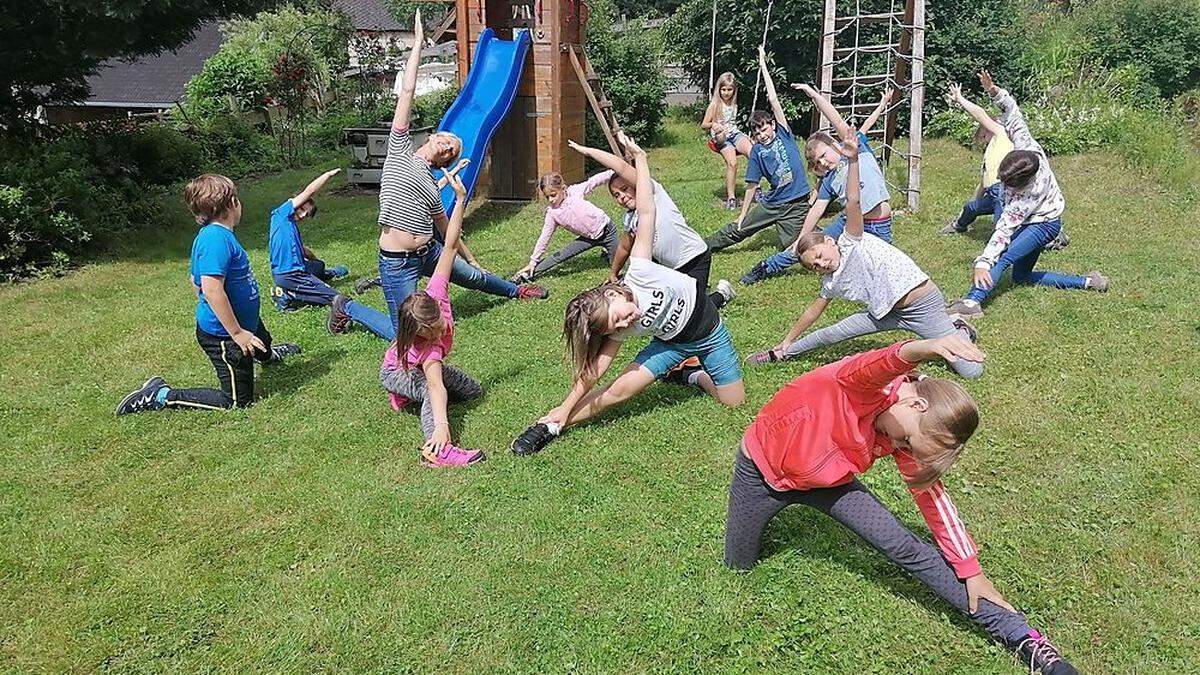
x: 1159, y: 37
x: 629, y: 64
x: 48, y: 48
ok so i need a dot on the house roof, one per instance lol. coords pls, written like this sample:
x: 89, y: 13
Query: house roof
x: 154, y: 81
x: 369, y: 15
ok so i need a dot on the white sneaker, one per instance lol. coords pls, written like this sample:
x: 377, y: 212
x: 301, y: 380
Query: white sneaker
x: 726, y: 290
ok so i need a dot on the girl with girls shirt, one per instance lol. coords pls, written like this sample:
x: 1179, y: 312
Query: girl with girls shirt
x: 830, y: 166
x: 811, y: 441
x: 413, y: 368
x: 720, y: 121
x: 675, y: 245
x: 861, y: 267
x: 1031, y: 213
x: 652, y: 300
x: 570, y: 210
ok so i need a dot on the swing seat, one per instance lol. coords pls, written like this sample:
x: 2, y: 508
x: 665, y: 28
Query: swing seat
x: 713, y: 146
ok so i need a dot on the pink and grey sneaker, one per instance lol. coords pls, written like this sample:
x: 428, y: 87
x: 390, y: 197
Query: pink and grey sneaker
x: 763, y: 358
x: 532, y: 292
x: 1042, y: 657
x: 450, y: 455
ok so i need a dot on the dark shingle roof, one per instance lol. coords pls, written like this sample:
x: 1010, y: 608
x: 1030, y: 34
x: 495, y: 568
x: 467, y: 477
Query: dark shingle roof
x: 369, y: 15
x: 158, y: 79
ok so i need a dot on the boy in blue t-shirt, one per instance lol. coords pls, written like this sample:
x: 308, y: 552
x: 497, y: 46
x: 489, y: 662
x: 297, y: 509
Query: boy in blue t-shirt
x: 228, y: 326
x: 301, y: 277
x: 775, y: 157
x: 821, y: 154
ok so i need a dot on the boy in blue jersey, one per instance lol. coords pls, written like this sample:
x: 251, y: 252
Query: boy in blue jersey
x: 775, y: 157
x: 228, y: 326
x: 301, y: 277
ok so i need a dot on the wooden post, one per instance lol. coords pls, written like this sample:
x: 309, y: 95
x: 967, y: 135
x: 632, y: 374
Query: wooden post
x: 827, y: 45
x: 916, y: 102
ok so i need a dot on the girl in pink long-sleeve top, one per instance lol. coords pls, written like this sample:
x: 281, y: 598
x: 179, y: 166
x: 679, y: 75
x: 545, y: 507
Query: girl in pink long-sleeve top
x: 570, y: 210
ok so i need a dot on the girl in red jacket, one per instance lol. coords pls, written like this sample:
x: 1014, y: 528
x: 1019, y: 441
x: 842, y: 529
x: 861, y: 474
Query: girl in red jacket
x: 809, y: 443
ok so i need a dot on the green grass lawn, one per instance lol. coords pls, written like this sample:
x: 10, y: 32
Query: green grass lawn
x: 301, y: 534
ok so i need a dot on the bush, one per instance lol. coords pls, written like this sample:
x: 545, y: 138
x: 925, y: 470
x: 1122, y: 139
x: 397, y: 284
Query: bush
x: 630, y: 67
x: 429, y: 108
x: 235, y: 147
x: 1159, y: 37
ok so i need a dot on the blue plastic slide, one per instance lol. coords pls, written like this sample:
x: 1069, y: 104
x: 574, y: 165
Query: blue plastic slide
x: 484, y: 101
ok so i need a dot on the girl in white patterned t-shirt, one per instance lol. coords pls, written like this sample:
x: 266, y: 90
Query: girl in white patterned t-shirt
x: 864, y: 268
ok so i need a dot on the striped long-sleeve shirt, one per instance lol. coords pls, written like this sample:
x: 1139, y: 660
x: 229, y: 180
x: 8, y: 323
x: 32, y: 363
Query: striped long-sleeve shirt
x: 409, y: 199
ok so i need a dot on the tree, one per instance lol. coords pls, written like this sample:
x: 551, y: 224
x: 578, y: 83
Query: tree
x: 48, y: 48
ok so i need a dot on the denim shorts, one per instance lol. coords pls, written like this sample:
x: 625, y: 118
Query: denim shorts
x: 716, y: 353
x: 731, y: 139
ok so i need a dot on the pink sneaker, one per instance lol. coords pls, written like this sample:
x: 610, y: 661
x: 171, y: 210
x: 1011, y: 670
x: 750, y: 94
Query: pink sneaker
x: 451, y: 455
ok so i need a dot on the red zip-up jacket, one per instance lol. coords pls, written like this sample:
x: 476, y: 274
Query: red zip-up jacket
x: 819, y: 431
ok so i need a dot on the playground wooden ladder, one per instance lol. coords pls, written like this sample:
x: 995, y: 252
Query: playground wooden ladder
x: 890, y: 46
x: 594, y: 92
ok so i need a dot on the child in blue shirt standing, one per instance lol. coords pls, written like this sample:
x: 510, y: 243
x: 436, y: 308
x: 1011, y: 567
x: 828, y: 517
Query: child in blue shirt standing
x: 775, y: 157
x: 228, y: 326
x: 301, y: 277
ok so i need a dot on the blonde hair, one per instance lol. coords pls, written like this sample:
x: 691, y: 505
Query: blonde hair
x: 810, y: 240
x: 208, y: 196
x: 418, y: 311
x: 810, y: 145
x: 585, y: 327
x: 724, y: 79
x: 553, y: 179
x: 949, y: 421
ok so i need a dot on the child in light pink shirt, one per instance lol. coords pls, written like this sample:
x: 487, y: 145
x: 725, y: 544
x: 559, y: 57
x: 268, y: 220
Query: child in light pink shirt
x: 413, y: 369
x: 570, y: 210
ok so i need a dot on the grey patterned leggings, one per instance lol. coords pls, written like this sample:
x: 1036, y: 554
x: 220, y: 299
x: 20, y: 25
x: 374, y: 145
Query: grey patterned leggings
x: 926, y: 317
x: 753, y: 503
x: 410, y: 383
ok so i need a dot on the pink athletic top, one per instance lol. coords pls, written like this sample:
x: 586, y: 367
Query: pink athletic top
x: 576, y: 214
x: 421, y: 351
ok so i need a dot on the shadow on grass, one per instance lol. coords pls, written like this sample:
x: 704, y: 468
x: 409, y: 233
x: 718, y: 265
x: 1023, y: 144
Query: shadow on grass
x: 287, y: 378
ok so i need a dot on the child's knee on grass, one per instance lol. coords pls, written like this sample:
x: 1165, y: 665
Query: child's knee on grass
x: 731, y: 395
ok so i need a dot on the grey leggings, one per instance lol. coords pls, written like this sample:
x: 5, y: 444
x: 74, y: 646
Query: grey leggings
x: 607, y: 239
x: 925, y: 317
x: 753, y: 503
x: 410, y: 383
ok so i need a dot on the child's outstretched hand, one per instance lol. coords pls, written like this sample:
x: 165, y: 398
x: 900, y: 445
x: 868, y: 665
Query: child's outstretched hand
x: 981, y: 278
x: 330, y: 173
x: 954, y: 93
x: 574, y: 146
x: 989, y: 85
x: 459, y: 166
x: 955, y: 347
x: 806, y: 88
x: 848, y: 148
x: 418, y: 31
x: 629, y: 144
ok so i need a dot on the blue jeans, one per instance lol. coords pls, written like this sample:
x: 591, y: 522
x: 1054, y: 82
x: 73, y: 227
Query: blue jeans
x: 399, y: 277
x: 778, y: 263
x: 306, y: 288
x: 1022, y: 254
x: 372, y: 319
x: 987, y: 202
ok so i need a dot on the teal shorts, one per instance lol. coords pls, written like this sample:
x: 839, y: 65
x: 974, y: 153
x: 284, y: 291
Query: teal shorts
x: 716, y: 353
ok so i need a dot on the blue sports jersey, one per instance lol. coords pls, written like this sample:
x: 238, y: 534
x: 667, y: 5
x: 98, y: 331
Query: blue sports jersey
x: 781, y: 165
x: 872, y: 187
x: 287, y: 249
x: 216, y: 252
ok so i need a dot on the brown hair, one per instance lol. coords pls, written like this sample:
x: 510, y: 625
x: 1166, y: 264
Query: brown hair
x: 209, y: 196
x: 810, y: 240
x: 724, y: 79
x: 1018, y: 168
x: 810, y: 146
x: 553, y: 179
x: 418, y: 311
x: 949, y: 421
x: 759, y: 118
x: 585, y: 327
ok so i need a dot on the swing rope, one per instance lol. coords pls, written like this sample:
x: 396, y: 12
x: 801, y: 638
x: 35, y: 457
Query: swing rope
x: 763, y: 45
x: 712, y: 49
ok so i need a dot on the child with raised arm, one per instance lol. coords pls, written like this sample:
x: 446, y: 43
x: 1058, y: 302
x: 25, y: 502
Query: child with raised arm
x: 675, y: 245
x: 414, y: 368
x: 652, y: 300
x: 569, y: 209
x: 1031, y: 215
x: 720, y: 121
x: 228, y: 326
x: 410, y: 205
x: 822, y: 154
x: 860, y: 267
x: 812, y: 440
x: 776, y: 158
x: 301, y: 278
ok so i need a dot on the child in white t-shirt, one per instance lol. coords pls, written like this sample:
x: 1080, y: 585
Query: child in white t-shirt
x: 863, y: 268
x: 652, y: 300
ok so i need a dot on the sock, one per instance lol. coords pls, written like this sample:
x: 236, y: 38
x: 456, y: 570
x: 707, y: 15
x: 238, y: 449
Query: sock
x: 1087, y: 282
x: 970, y: 303
x: 693, y: 378
x: 555, y: 429
x: 161, y: 395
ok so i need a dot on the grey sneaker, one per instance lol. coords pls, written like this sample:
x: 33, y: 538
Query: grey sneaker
x: 951, y: 227
x: 961, y: 310
x: 1097, y: 281
x: 972, y: 334
x: 1060, y: 242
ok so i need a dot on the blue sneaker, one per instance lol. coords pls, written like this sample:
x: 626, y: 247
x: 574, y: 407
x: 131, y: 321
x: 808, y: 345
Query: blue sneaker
x: 756, y: 274
x: 283, y: 300
x: 142, y: 399
x: 339, y: 272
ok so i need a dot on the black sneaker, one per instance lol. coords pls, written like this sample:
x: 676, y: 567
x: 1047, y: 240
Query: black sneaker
x: 338, y: 322
x: 1036, y: 652
x: 283, y: 350
x: 532, y: 440
x: 756, y: 274
x: 680, y: 376
x: 142, y: 399
x: 367, y: 284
